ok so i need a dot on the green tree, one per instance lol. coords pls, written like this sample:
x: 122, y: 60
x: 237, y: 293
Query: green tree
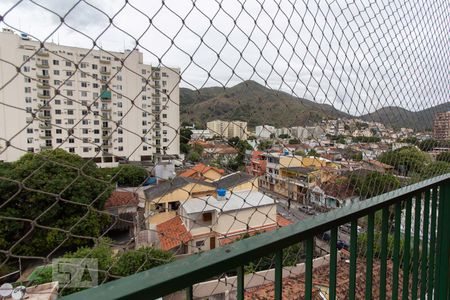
x: 264, y: 145
x: 406, y: 160
x: 366, y: 139
x: 241, y: 146
x: 123, y: 264
x: 294, y: 141
x: 131, y: 262
x: 300, y: 153
x: 428, y: 145
x: 313, y: 152
x: 373, y: 183
x: 358, y: 156
x: 284, y: 136
x: 185, y: 137
x: 63, y: 192
x: 444, y: 156
x: 193, y: 156
x: 126, y: 175
x: 435, y: 168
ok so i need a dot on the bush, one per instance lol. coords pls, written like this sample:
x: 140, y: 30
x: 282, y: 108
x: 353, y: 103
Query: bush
x: 124, y: 264
x: 140, y: 260
x: 444, y: 156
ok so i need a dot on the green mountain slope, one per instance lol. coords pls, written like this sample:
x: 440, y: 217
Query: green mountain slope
x: 251, y: 102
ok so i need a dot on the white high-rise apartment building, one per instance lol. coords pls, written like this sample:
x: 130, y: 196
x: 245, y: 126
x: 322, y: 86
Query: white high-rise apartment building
x: 228, y: 129
x: 102, y: 105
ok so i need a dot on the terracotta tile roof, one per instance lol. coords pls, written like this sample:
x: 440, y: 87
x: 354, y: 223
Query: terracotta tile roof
x: 294, y: 287
x: 122, y: 199
x: 282, y: 221
x: 172, y: 233
x: 200, y: 169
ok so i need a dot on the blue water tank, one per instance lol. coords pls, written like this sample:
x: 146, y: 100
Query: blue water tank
x: 286, y: 152
x: 221, y: 192
x: 150, y: 181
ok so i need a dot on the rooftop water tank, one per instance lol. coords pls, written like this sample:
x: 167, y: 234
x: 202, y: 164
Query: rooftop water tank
x: 221, y: 193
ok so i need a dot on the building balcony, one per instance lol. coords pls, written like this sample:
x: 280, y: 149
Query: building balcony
x: 42, y: 66
x: 105, y: 108
x: 44, y: 106
x: 45, y: 137
x: 43, y: 53
x: 45, y: 126
x: 42, y: 96
x: 105, y: 61
x: 43, y: 76
x: 44, y: 116
x: 41, y: 85
x: 107, y: 146
x: 393, y: 260
x: 105, y: 72
x: 105, y: 95
x: 46, y: 147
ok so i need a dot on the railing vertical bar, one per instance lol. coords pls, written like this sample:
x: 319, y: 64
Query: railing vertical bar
x: 309, y: 268
x: 424, y: 259
x: 369, y: 254
x: 406, y: 250
x: 189, y: 293
x: 430, y: 285
x: 415, y: 266
x: 353, y: 256
x: 396, y: 251
x: 240, y: 283
x: 438, y: 241
x: 384, y: 250
x: 278, y: 274
x: 333, y: 262
x: 442, y: 255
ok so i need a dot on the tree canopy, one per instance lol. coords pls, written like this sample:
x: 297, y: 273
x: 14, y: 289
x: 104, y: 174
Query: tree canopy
x: 55, y: 189
x: 126, y: 175
x: 406, y: 160
x: 370, y: 184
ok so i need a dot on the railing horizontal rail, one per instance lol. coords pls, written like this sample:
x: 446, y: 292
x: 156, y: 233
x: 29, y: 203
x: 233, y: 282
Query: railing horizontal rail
x: 184, y: 273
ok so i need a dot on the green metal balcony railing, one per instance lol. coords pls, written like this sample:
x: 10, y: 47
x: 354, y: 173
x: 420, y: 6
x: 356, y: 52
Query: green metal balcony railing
x: 419, y: 210
x: 105, y: 95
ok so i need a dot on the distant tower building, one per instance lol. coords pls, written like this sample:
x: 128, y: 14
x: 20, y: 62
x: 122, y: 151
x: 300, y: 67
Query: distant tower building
x: 441, y: 128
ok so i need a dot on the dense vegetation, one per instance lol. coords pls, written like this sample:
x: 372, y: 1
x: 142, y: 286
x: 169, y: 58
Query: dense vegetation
x: 110, y: 266
x: 125, y: 175
x: 54, y: 189
x: 369, y: 184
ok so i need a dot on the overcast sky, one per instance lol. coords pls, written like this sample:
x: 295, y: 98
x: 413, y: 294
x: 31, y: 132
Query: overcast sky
x: 356, y: 57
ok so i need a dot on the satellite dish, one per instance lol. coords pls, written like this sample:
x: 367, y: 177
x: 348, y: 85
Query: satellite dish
x: 6, y: 289
x: 18, y: 292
